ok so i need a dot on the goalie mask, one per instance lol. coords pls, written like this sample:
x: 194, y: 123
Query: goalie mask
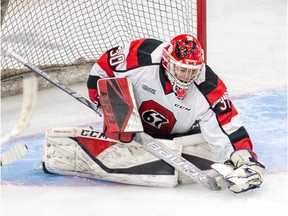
x: 183, y: 60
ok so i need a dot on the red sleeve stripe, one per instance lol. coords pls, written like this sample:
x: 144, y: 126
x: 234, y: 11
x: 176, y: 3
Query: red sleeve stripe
x: 103, y: 63
x: 240, y: 139
x: 93, y: 94
x: 214, y: 95
x: 132, y: 58
x: 245, y: 144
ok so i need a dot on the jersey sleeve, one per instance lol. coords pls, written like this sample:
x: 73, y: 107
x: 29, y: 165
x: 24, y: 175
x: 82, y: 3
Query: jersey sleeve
x: 220, y: 124
x: 118, y: 61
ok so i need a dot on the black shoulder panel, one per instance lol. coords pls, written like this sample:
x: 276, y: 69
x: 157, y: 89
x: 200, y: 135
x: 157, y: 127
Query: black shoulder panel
x: 145, y: 49
x: 211, y: 82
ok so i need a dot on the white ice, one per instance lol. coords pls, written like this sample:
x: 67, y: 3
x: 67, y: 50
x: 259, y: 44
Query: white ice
x: 247, y: 47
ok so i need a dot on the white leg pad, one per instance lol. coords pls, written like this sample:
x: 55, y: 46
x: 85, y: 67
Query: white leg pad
x: 195, y: 145
x: 63, y: 155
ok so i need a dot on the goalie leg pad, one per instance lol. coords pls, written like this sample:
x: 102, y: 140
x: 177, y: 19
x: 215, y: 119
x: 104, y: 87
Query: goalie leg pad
x: 121, y: 162
x: 196, y: 150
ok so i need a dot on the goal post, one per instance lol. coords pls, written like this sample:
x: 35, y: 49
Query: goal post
x: 65, y: 37
x: 202, y: 25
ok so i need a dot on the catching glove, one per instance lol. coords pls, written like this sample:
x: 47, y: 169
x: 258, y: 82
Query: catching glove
x: 243, y: 171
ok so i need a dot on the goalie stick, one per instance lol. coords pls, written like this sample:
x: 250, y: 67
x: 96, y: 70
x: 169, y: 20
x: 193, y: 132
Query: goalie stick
x: 10, y: 53
x: 153, y: 146
x: 28, y: 105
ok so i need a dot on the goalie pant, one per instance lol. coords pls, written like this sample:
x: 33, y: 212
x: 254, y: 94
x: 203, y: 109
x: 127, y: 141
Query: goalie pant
x: 127, y: 163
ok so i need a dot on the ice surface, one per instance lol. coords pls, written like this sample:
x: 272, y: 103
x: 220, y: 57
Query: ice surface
x: 247, y: 47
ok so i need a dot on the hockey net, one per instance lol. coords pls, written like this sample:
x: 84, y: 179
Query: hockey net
x: 65, y: 37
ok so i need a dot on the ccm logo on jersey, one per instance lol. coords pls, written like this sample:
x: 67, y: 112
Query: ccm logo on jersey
x: 182, y: 107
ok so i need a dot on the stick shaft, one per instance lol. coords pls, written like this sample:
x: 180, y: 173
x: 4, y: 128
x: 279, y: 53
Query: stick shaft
x: 57, y: 83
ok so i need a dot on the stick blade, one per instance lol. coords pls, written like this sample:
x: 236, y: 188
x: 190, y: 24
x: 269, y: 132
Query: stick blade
x: 13, y: 154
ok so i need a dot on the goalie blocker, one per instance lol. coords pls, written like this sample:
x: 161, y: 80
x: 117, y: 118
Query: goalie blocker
x: 121, y: 117
x: 89, y: 153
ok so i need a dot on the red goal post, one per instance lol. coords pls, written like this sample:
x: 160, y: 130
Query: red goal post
x: 202, y: 25
x: 64, y: 38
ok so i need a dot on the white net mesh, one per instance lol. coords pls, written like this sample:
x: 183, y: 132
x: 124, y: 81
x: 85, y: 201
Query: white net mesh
x: 59, y: 33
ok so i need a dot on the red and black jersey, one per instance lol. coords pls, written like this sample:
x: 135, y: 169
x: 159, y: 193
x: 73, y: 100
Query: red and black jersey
x: 162, y: 114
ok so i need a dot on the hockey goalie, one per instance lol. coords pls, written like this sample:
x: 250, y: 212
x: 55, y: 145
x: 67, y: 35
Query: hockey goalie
x: 164, y: 90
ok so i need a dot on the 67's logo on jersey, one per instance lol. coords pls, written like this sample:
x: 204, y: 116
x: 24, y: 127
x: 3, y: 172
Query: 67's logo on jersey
x: 156, y: 118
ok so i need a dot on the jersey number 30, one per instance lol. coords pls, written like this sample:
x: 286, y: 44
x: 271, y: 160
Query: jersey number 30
x: 116, y: 56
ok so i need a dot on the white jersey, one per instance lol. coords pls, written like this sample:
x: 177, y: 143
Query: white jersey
x: 163, y: 115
